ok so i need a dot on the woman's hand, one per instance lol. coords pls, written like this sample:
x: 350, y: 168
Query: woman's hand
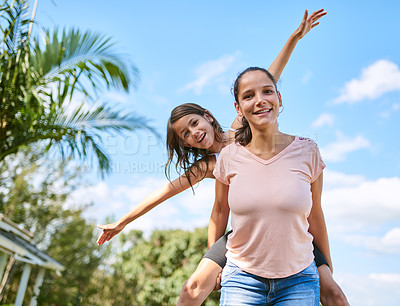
x: 309, y: 22
x: 109, y: 231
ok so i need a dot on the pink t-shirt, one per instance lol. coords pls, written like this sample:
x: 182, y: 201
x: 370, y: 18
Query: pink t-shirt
x: 270, y: 201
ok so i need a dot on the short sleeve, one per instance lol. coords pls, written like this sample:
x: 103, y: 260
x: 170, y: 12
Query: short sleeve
x: 317, y: 164
x: 220, y: 169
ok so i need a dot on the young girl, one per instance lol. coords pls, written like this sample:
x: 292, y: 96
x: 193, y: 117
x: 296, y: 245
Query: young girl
x: 272, y: 183
x: 193, y: 136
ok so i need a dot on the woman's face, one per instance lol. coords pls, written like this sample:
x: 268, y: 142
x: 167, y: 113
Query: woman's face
x: 195, y: 130
x: 258, y: 99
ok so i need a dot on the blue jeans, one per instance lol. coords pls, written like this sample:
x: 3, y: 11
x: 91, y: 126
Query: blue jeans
x: 242, y: 288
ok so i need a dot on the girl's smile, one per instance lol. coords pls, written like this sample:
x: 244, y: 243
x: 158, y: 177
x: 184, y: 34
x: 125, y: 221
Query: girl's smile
x: 195, y: 130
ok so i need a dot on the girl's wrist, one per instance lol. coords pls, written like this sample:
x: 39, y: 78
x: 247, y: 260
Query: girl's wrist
x: 296, y: 35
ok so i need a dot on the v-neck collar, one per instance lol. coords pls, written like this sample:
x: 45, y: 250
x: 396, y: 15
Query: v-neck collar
x: 273, y: 158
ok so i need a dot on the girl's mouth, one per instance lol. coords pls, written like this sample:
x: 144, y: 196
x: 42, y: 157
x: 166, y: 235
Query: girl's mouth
x: 201, y: 138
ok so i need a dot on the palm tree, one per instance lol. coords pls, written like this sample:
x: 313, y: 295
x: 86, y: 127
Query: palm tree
x: 39, y: 78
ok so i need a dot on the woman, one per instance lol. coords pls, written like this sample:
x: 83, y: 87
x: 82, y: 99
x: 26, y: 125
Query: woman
x: 272, y: 183
x: 182, y: 140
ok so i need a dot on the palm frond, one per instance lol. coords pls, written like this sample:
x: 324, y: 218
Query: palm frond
x: 89, y: 54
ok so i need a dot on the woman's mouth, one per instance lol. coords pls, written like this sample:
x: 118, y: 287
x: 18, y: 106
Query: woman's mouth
x: 263, y: 111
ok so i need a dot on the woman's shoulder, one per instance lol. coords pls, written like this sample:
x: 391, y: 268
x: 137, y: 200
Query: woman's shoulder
x: 231, y: 148
x: 307, y: 143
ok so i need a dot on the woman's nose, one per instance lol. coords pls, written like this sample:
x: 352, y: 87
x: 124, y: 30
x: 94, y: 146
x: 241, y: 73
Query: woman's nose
x: 260, y: 98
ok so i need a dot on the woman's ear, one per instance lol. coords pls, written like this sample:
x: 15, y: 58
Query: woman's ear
x: 238, y: 109
x: 279, y: 98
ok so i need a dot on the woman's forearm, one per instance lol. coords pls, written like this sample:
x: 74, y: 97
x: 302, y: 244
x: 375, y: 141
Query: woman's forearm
x: 220, y: 213
x: 320, y: 234
x: 317, y: 221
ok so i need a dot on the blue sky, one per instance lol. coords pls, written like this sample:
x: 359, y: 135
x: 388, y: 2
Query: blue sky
x: 341, y: 87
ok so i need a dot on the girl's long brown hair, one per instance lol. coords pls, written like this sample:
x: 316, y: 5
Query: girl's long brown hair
x: 188, y: 158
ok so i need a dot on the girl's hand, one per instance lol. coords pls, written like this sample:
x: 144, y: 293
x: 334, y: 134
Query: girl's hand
x: 309, y: 22
x: 109, y: 231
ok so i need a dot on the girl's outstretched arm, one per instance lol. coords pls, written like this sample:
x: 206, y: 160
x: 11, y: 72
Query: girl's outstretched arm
x: 157, y: 197
x: 282, y: 59
x: 305, y: 26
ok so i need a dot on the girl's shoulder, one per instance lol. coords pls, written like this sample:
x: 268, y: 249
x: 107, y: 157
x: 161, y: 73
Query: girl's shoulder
x: 205, y: 167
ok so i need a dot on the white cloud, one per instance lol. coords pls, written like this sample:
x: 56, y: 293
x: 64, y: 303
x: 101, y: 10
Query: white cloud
x: 210, y: 73
x: 337, y: 151
x: 357, y: 288
x: 392, y: 238
x: 386, y: 277
x: 333, y: 179
x: 377, y: 79
x: 323, y: 120
x: 362, y: 206
x: 387, y: 244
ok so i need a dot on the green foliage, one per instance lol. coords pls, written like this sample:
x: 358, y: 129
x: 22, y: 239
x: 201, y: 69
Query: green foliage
x: 155, y: 269
x: 39, y: 79
x: 33, y: 193
x: 72, y: 245
x: 131, y: 270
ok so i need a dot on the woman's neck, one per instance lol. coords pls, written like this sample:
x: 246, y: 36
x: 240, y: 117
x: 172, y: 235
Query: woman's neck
x: 268, y: 141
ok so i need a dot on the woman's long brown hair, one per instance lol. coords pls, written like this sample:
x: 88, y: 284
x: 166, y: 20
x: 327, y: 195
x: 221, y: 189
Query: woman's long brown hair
x: 243, y: 134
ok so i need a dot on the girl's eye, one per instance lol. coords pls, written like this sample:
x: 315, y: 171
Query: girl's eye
x: 195, y: 122
x: 185, y: 135
x: 248, y: 96
x: 268, y: 91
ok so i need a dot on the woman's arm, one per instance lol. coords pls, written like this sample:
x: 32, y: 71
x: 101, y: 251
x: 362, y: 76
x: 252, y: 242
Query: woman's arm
x: 220, y: 213
x: 317, y: 221
x: 157, y: 197
x: 282, y: 59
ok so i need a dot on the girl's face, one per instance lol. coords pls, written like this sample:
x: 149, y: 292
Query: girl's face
x: 195, y: 130
x: 258, y: 99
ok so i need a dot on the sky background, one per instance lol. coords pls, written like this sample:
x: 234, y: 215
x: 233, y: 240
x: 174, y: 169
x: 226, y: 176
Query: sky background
x: 341, y: 88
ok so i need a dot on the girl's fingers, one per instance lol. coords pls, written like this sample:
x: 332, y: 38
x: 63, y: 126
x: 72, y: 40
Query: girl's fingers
x: 316, y: 17
x: 314, y: 25
x: 305, y: 16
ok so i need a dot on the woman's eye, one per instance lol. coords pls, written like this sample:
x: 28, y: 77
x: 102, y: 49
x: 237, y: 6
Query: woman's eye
x: 185, y: 135
x: 247, y: 97
x: 195, y: 122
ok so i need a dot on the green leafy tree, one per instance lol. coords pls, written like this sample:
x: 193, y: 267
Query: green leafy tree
x: 152, y: 271
x: 33, y: 193
x: 40, y: 78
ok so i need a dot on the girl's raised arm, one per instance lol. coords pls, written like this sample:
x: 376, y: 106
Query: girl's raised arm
x: 157, y: 197
x: 306, y: 25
